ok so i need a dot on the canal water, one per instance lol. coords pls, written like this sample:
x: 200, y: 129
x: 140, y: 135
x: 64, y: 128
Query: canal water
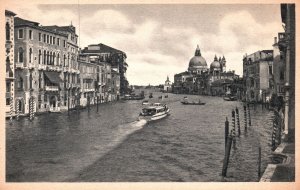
x: 112, y: 145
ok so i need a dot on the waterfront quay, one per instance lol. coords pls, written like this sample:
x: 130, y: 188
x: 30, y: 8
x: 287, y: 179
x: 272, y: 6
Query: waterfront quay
x: 112, y: 145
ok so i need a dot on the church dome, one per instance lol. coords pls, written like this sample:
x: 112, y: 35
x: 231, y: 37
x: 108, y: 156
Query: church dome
x: 197, y: 60
x: 215, y: 64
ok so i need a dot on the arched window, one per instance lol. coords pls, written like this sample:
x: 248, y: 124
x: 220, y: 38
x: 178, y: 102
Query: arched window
x: 54, y: 58
x: 50, y: 59
x: 30, y: 81
x: 68, y: 63
x: 21, y: 55
x: 64, y: 60
x: 20, y: 83
x: 30, y: 55
x: 58, y: 59
x: 40, y: 56
x: 45, y: 57
x: 40, y: 80
x: 7, y: 28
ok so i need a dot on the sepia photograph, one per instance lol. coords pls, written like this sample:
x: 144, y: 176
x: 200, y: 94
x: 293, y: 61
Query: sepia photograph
x: 148, y: 92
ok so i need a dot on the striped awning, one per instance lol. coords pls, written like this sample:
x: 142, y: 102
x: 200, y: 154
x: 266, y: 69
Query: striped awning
x: 53, y: 77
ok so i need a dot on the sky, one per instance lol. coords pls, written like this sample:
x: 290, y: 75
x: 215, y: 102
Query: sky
x: 160, y: 40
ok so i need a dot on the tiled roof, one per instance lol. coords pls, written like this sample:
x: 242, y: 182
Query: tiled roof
x: 103, y: 49
x: 22, y: 22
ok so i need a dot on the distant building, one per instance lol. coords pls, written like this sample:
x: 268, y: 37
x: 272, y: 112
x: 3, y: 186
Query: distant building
x: 199, y: 79
x: 89, y: 76
x: 9, y: 63
x: 258, y: 75
x: 168, y: 85
x: 114, y: 60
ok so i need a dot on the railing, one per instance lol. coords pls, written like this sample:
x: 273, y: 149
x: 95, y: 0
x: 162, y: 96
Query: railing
x: 51, y: 88
x: 19, y: 65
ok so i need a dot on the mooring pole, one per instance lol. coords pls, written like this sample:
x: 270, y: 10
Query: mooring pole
x: 233, y: 129
x: 249, y: 115
x: 226, y: 131
x: 227, y: 156
x: 238, y: 121
x: 97, y: 104
x: 259, y: 162
x: 245, y: 118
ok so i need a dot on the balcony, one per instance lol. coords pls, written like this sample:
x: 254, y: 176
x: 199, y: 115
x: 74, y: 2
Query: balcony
x: 51, y: 88
x: 42, y: 67
x: 88, y: 90
x: 19, y: 65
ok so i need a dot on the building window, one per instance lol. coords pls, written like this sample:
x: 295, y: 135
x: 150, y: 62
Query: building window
x: 58, y: 59
x: 30, y: 34
x: 50, y: 39
x: 45, y: 57
x: 44, y: 37
x: 21, y: 55
x: 40, y: 37
x: 58, y: 41
x: 40, y: 57
x: 54, y: 40
x: 281, y: 77
x: 30, y: 55
x: 8, y: 86
x: 270, y: 70
x: 7, y: 28
x: 64, y: 60
x: 20, y: 84
x: 65, y: 43
x: 54, y: 59
x: 50, y: 59
x: 40, y: 80
x: 30, y: 81
x: 47, y: 39
x: 20, y: 33
x: 7, y: 101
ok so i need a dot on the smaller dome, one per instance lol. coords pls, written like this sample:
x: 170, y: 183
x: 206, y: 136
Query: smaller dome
x: 215, y: 64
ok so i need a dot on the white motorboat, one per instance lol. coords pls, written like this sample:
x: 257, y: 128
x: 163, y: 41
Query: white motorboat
x: 152, y: 113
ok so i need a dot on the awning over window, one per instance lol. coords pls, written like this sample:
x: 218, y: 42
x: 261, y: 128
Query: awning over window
x: 53, y: 77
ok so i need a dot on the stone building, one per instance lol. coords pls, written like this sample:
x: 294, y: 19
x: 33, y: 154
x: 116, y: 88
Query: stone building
x: 43, y: 65
x: 9, y: 63
x: 89, y: 78
x: 258, y: 75
x: 286, y: 45
x: 71, y: 73
x: 114, y: 67
x: 167, y: 85
x: 199, y: 79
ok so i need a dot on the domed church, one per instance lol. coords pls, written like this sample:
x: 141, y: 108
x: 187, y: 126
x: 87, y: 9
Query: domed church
x: 197, y: 64
x: 199, y: 79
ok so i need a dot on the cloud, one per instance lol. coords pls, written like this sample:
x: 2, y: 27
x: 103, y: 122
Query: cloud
x: 156, y: 49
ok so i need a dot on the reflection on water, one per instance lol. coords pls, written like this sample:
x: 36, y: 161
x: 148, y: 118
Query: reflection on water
x: 112, y: 145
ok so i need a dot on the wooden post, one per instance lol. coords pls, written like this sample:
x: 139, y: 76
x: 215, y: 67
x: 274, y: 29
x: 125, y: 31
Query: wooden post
x: 238, y: 121
x: 259, y: 162
x: 30, y: 109
x: 273, y: 136
x: 226, y: 131
x: 97, y: 104
x: 245, y: 118
x: 233, y: 129
x: 249, y: 115
x: 68, y: 102
x: 11, y: 109
x: 18, y: 111
x: 227, y: 156
x: 88, y: 102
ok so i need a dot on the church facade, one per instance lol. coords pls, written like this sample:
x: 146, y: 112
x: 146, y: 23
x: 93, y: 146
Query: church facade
x: 203, y: 80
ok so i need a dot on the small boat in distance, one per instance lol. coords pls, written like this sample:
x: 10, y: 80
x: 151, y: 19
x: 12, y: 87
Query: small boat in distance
x: 150, y: 95
x: 186, y: 102
x: 152, y: 113
x: 145, y: 102
x: 230, y: 97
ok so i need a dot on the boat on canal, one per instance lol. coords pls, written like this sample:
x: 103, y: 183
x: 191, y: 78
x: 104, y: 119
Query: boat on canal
x: 145, y: 102
x: 230, y: 97
x: 152, y: 113
x: 186, y: 102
